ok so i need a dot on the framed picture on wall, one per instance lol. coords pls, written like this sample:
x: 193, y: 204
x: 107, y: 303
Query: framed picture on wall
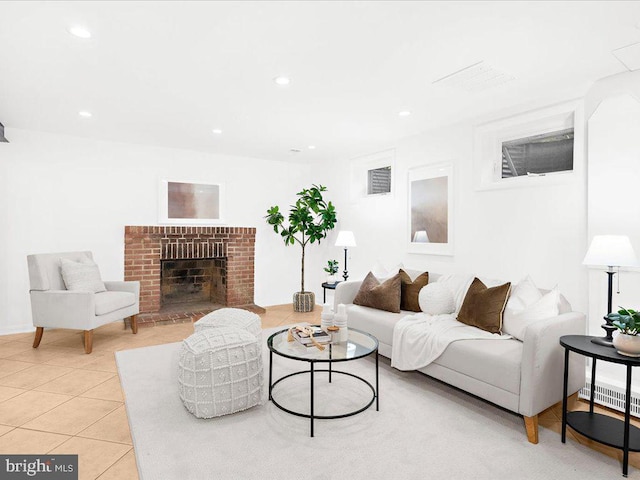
x: 430, y: 216
x: 189, y: 203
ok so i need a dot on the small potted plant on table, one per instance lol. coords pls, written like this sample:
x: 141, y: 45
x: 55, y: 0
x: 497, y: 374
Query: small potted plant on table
x: 331, y: 269
x: 627, y: 321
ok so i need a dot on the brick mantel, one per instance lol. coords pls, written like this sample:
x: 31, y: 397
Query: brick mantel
x: 146, y: 246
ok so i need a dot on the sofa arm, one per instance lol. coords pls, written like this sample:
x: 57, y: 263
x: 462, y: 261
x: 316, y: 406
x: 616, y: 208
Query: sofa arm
x: 541, y: 381
x: 345, y: 293
x: 63, y: 309
x: 131, y: 287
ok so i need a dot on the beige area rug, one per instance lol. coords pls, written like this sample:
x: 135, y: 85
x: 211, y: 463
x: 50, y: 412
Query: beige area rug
x: 424, y: 430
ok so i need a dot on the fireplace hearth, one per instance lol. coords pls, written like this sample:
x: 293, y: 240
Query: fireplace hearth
x: 186, y: 272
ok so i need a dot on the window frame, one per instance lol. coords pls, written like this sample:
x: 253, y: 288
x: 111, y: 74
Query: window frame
x: 489, y: 137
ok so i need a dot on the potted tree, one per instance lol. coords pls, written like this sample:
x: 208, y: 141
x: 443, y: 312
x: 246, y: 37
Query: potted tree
x: 310, y: 220
x: 627, y: 321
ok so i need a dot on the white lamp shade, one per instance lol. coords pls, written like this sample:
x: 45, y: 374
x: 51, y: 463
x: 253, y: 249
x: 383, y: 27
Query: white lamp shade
x: 611, y: 251
x: 345, y: 239
x: 421, y: 237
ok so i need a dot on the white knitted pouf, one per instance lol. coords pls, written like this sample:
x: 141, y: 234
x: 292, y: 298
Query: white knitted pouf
x: 231, y: 317
x: 220, y: 372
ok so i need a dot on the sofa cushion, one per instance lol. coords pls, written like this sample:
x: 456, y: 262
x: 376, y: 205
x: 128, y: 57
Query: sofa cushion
x: 107, y: 302
x: 516, y: 321
x: 378, y: 323
x: 458, y: 285
x: 410, y: 289
x: 497, y: 363
x: 436, y: 299
x: 483, y: 307
x: 382, y: 296
x: 81, y: 276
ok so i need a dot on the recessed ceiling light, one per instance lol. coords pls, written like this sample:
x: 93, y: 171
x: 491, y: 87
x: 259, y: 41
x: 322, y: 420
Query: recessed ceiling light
x: 217, y: 131
x: 85, y: 114
x: 282, y: 80
x: 79, y: 32
x: 311, y: 147
x: 404, y: 113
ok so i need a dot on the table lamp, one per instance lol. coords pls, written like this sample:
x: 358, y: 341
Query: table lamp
x: 421, y: 237
x: 345, y: 239
x: 612, y: 251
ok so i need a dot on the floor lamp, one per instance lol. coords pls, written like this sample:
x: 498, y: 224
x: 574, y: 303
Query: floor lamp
x: 345, y: 239
x: 612, y: 251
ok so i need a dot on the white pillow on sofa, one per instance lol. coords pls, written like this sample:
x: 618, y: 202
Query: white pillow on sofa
x: 526, y: 306
x: 436, y: 299
x: 458, y: 285
x: 81, y: 276
x: 381, y: 273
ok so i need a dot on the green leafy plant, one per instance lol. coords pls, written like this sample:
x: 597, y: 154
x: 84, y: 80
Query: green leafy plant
x: 332, y: 267
x: 310, y: 220
x: 626, y: 320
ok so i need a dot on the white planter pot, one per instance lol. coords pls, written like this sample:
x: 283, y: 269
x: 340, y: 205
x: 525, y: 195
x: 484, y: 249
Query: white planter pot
x: 628, y: 345
x: 332, y: 278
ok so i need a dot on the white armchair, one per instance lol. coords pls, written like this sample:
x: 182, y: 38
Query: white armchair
x: 53, y: 306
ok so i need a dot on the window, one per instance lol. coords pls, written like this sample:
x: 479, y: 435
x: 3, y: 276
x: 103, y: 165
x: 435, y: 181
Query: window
x: 379, y: 180
x: 538, y: 154
x: 372, y: 177
x: 535, y: 148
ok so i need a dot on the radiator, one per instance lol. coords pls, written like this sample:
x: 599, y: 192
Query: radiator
x: 610, y: 396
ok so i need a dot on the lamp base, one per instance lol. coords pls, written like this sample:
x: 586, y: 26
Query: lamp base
x: 608, y: 340
x: 604, y: 341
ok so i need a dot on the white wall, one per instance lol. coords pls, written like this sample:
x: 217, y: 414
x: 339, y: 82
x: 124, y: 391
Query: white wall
x: 61, y: 193
x: 504, y: 234
x: 613, y: 108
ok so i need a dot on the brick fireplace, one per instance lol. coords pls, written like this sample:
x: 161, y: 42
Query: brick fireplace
x: 203, y: 268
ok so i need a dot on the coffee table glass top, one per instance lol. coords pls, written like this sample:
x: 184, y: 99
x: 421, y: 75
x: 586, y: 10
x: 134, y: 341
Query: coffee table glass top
x: 359, y: 344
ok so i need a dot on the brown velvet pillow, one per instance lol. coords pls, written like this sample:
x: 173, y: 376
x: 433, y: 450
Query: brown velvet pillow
x: 383, y: 296
x: 483, y: 307
x: 410, y: 290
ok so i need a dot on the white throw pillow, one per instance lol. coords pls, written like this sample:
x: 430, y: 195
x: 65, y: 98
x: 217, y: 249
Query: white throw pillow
x: 436, y: 299
x: 515, y: 322
x: 458, y: 286
x: 523, y: 295
x: 81, y: 276
x: 382, y: 274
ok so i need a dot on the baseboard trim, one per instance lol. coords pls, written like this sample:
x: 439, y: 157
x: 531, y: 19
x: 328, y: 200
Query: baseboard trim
x: 17, y: 329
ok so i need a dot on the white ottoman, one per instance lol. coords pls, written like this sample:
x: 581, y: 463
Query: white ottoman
x: 231, y: 317
x: 220, y: 372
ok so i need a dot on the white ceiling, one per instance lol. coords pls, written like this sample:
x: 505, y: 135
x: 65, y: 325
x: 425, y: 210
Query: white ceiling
x: 167, y: 73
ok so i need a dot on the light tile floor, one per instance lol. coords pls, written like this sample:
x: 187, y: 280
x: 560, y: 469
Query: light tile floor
x: 56, y: 399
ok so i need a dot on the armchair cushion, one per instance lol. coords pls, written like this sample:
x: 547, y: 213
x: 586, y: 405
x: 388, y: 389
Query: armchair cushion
x: 81, y: 276
x: 107, y: 302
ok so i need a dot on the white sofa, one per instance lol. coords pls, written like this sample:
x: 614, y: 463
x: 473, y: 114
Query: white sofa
x: 524, y: 377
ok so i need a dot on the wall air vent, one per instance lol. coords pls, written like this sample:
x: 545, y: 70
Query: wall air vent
x: 629, y: 56
x: 2, y: 137
x: 475, y: 78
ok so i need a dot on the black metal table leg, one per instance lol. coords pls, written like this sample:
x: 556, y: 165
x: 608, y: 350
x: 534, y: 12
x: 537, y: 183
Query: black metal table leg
x: 270, y: 372
x: 593, y: 384
x: 311, y: 412
x: 627, y: 419
x: 377, y: 387
x: 564, y: 395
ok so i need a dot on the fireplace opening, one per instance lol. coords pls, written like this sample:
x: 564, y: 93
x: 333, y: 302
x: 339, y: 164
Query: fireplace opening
x: 193, y: 282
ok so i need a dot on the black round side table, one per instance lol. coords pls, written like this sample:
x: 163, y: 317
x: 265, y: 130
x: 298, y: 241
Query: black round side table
x: 600, y: 428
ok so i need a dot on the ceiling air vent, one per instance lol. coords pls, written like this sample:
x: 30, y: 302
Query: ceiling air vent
x: 629, y: 56
x: 2, y: 137
x: 475, y: 78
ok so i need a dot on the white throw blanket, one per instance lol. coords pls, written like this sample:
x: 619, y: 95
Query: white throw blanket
x: 421, y: 338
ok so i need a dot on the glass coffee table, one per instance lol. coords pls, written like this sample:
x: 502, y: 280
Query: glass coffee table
x: 358, y: 345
